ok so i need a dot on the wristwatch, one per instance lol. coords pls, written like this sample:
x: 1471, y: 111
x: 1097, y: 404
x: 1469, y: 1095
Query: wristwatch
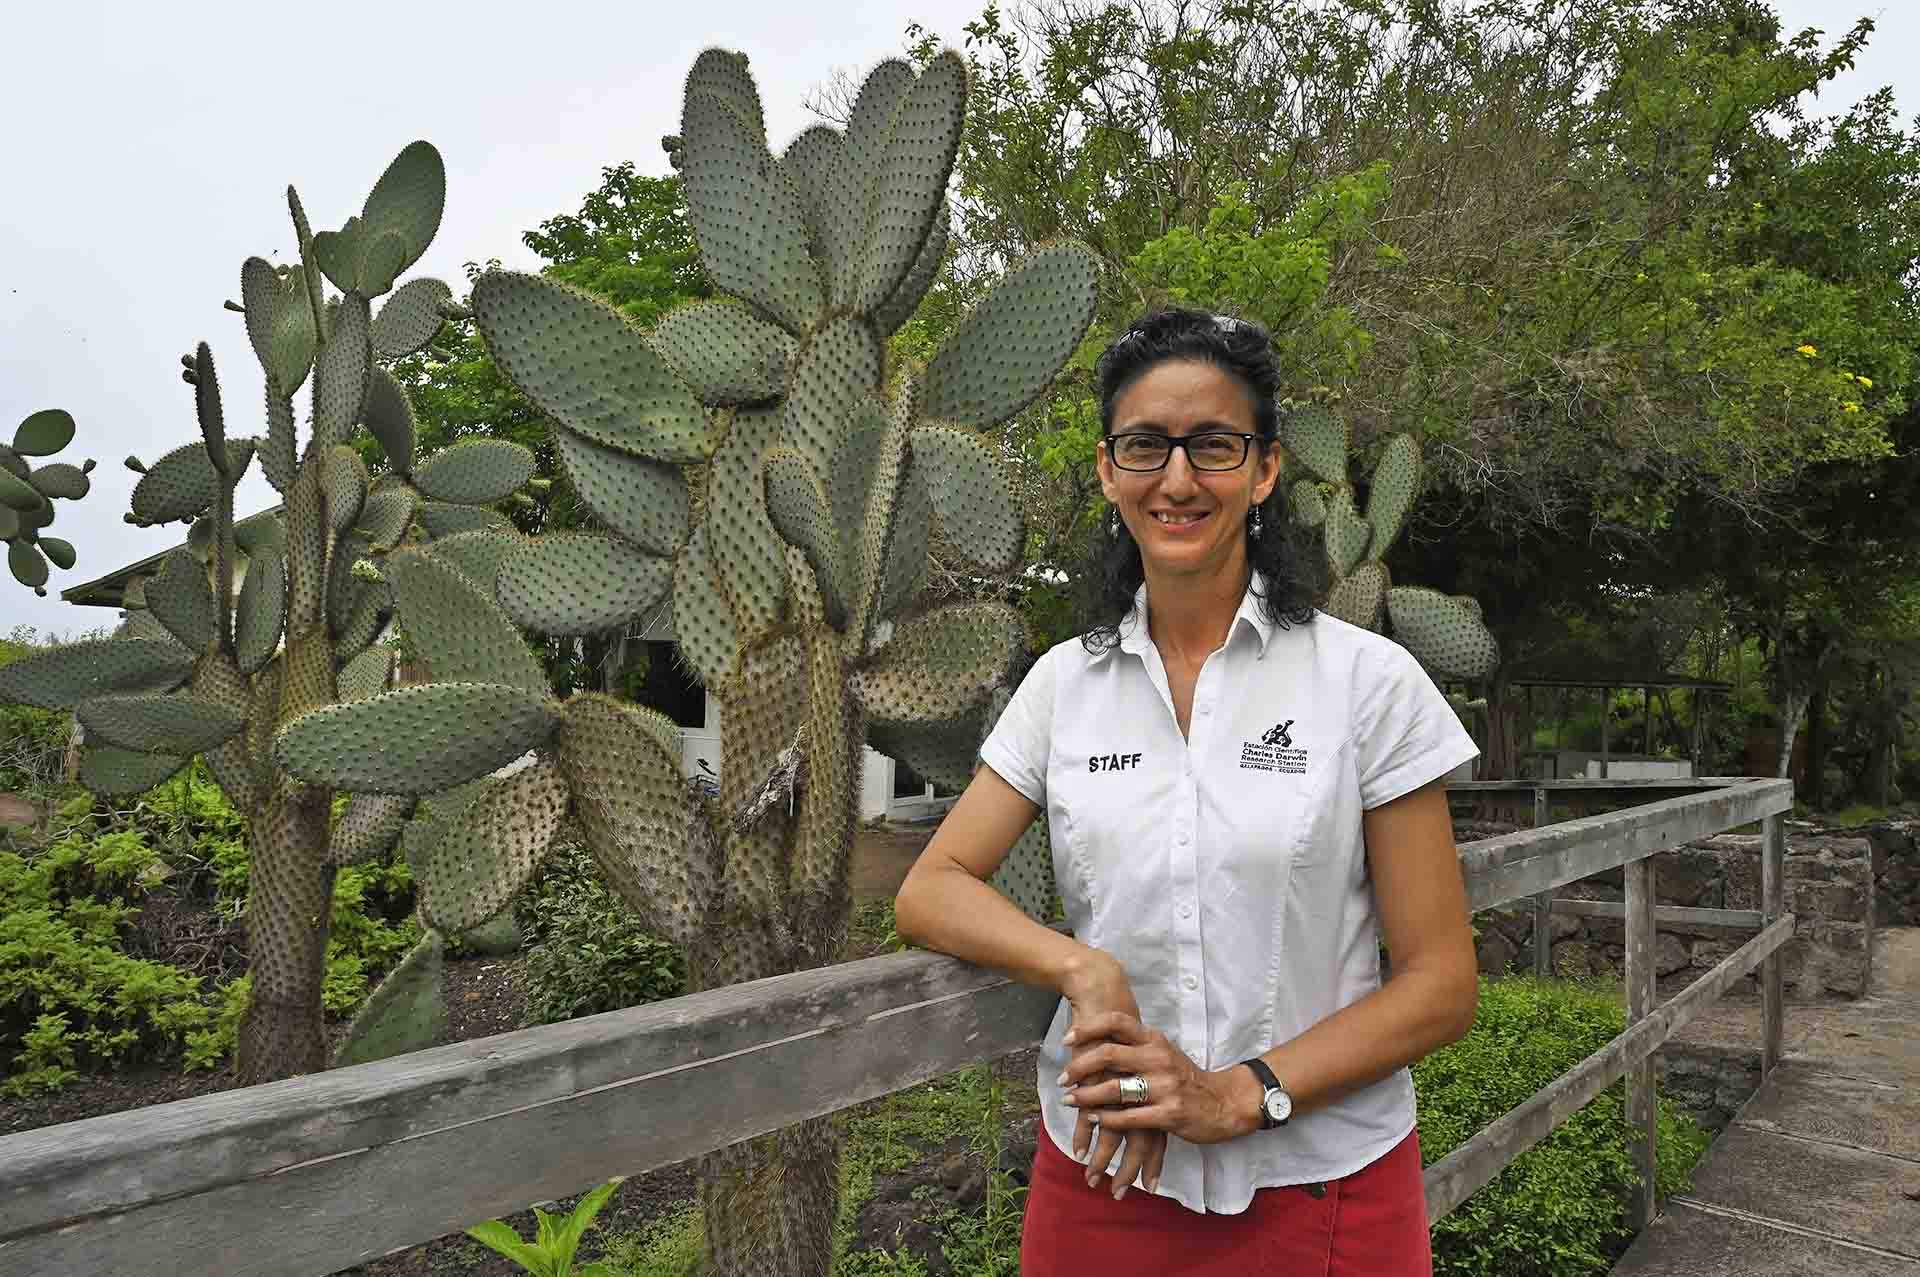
x: 1276, y: 1106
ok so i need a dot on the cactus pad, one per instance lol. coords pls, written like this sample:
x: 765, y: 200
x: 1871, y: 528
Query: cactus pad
x: 181, y: 485
x: 941, y: 664
x: 905, y: 573
x: 60, y: 479
x: 340, y: 373
x: 415, y: 740
x: 279, y: 324
x: 262, y: 609
x: 644, y: 501
x: 369, y: 827
x: 443, y: 520
x: 28, y: 565
x: 798, y: 510
x: 583, y: 363
x: 180, y: 599
x: 724, y: 74
x: 1346, y: 532
x: 366, y: 675
x: 409, y: 319
x: 388, y: 416
x: 1442, y: 635
x: 580, y: 583
x: 206, y: 402
x: 17, y: 493
x: 899, y: 307
x: 475, y: 472
x: 725, y: 353
x: 398, y: 221
x: 476, y: 555
x: 1004, y: 354
x: 110, y: 771
x: 344, y: 479
x: 972, y: 495
x: 1396, y: 479
x: 60, y: 552
x: 812, y: 162
x: 1308, y: 506
x: 911, y: 183
x: 458, y: 629
x: 1318, y: 440
x: 943, y: 753
x: 1358, y: 598
x: 43, y: 433
x: 746, y: 214
x: 277, y: 449
x: 387, y: 515
x: 634, y: 810
x: 407, y: 1012
x: 702, y: 622
x: 153, y: 724
x: 748, y: 556
x: 1026, y: 875
x: 486, y: 854
x: 869, y: 125
x: 830, y: 381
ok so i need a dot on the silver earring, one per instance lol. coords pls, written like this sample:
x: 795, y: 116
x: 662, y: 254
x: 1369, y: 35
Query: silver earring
x: 1256, y: 523
x: 1113, y: 524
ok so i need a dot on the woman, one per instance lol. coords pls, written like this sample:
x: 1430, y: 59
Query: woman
x: 1243, y: 801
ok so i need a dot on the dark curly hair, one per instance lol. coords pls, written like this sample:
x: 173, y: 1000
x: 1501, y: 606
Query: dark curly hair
x: 1244, y: 350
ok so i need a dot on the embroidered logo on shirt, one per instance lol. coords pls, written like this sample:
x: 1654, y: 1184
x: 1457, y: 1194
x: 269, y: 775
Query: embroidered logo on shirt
x: 1112, y: 762
x: 1274, y: 752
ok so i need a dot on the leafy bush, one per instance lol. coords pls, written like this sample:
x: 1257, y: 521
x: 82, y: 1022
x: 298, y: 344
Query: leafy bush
x: 1559, y: 1209
x: 69, y: 996
x: 33, y: 742
x: 585, y: 953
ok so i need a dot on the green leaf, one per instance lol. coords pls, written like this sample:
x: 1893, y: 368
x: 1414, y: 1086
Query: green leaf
x: 499, y: 1237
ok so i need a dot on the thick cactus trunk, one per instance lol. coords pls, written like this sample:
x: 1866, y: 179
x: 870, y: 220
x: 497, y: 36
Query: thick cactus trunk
x: 288, y: 907
x: 770, y: 1203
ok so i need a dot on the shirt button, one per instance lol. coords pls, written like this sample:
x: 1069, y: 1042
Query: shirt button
x: 1192, y: 983
x: 1186, y: 911
x: 1181, y: 839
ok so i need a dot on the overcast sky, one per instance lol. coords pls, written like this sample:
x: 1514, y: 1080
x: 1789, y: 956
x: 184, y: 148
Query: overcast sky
x: 148, y: 147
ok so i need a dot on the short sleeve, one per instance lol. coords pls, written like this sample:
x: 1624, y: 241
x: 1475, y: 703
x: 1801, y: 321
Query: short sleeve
x: 1018, y: 745
x: 1406, y: 734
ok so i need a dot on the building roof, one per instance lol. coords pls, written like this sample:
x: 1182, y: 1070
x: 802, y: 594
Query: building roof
x: 110, y: 590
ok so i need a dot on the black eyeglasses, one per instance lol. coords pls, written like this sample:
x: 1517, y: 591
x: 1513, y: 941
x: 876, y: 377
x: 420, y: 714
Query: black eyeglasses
x: 1145, y: 450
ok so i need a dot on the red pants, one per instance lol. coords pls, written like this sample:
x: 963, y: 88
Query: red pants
x: 1373, y: 1223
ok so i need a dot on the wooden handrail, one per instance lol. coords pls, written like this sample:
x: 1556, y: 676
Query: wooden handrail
x: 316, y: 1173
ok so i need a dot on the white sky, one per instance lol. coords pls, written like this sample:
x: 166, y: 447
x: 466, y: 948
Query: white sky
x: 148, y: 146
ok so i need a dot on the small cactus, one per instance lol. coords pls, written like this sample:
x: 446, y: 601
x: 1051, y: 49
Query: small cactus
x: 27, y: 494
x: 1444, y: 633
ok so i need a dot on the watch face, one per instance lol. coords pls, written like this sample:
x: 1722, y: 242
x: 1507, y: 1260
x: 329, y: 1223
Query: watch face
x: 1279, y: 1105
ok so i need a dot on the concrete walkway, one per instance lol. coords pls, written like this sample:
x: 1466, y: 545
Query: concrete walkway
x: 1820, y: 1171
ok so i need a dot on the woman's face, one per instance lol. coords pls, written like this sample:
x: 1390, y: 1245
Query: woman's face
x: 1187, y: 522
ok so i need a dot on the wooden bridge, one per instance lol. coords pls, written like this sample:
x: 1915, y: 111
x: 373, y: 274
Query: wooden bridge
x: 318, y: 1173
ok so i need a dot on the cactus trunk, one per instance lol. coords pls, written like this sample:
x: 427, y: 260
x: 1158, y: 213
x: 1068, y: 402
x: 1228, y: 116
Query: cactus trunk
x: 770, y: 1203
x: 289, y: 903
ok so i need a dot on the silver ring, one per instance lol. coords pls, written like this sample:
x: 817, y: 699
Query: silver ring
x: 1133, y: 1090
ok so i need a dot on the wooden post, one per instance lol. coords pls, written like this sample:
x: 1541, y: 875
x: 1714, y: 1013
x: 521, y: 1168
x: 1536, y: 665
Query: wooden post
x: 1542, y: 903
x: 1773, y: 864
x: 1641, y: 1109
x: 1606, y: 708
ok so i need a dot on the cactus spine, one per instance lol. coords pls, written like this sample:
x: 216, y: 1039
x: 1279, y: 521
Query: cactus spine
x: 795, y: 579
x: 1444, y: 632
x: 195, y: 670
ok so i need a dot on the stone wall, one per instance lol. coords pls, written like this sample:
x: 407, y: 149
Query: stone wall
x: 1896, y: 870
x: 1830, y: 885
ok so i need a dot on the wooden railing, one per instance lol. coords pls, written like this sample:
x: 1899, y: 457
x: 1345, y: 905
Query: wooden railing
x: 317, y: 1173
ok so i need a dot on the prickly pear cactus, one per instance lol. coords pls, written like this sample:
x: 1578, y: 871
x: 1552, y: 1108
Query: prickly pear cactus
x: 27, y: 493
x: 1445, y: 633
x: 795, y: 577
x: 200, y: 668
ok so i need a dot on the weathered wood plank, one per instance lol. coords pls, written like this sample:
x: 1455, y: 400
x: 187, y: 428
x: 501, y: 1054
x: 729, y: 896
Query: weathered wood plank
x: 1571, y: 784
x: 1465, y: 1170
x: 1773, y: 853
x: 1642, y: 1133
x: 1685, y: 915
x: 1530, y: 861
x: 749, y: 1058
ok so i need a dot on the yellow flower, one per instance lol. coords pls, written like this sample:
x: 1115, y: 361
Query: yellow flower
x: 1808, y: 351
x: 1865, y: 381
x: 1849, y: 406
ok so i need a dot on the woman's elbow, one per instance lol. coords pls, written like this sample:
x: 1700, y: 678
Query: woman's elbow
x: 1461, y: 1005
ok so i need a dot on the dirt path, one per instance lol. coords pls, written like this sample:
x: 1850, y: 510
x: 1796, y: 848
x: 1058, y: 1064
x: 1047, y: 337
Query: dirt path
x: 881, y: 858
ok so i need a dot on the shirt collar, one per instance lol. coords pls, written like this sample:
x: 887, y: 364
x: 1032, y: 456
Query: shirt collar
x: 1249, y: 616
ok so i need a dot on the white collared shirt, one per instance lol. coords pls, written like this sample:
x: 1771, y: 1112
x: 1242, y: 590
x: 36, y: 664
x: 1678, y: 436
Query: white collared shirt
x: 1227, y: 870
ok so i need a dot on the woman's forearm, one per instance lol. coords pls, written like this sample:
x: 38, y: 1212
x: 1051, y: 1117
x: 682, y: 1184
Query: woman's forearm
x: 948, y: 910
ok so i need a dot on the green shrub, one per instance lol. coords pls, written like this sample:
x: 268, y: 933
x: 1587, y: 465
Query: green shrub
x: 1559, y: 1209
x: 585, y: 953
x: 33, y: 742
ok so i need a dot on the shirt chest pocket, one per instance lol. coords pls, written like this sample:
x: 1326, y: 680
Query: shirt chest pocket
x: 1292, y: 802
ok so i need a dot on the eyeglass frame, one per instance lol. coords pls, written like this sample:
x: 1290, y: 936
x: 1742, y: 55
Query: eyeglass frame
x: 1182, y: 442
